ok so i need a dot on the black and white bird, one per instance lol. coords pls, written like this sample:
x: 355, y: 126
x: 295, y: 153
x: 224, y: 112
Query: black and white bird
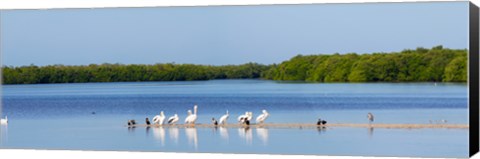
x: 159, y: 119
x: 173, y: 119
x: 214, y: 122
x: 321, y: 122
x: 246, y: 122
x: 147, y: 121
x: 246, y: 117
x: 370, y: 117
x: 241, y: 118
x: 131, y: 122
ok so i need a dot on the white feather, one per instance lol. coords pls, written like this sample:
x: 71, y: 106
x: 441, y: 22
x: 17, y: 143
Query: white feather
x: 173, y: 119
x: 193, y: 117
x: 261, y: 118
x: 250, y: 116
x: 224, y: 118
x: 242, y: 118
x: 159, y: 119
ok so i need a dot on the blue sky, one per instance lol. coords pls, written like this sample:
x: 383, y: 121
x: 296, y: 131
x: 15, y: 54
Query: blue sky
x: 221, y: 35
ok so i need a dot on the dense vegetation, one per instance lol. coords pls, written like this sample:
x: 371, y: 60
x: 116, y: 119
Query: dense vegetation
x: 124, y: 73
x: 436, y: 64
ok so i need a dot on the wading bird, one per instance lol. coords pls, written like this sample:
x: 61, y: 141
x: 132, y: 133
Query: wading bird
x: 224, y: 118
x: 261, y: 118
x: 192, y: 117
x: 243, y: 117
x: 159, y: 119
x: 173, y: 119
x: 214, y: 122
x: 131, y: 122
x: 147, y: 121
x: 321, y: 122
x: 249, y: 116
x: 370, y: 117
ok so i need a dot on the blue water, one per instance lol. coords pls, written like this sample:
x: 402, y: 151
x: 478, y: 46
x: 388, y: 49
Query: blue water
x: 59, y: 116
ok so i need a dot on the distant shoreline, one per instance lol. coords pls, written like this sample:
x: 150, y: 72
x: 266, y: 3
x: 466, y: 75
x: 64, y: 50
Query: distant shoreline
x: 282, y: 82
x: 437, y: 64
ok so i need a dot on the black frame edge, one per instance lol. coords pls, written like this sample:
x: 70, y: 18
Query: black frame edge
x: 473, y: 80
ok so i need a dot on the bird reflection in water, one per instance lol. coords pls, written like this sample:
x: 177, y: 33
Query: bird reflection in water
x: 262, y: 134
x: 148, y: 130
x: 159, y: 134
x: 370, y: 132
x: 214, y: 130
x: 192, y: 136
x: 3, y: 134
x: 223, y: 133
x: 246, y: 133
x: 131, y: 129
x: 173, y: 132
x: 321, y: 129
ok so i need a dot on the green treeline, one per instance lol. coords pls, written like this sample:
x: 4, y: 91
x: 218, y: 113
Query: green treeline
x: 128, y: 73
x: 436, y: 64
x: 420, y: 65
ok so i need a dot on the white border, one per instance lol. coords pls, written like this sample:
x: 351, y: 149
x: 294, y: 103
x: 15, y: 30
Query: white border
x: 48, y: 4
x: 72, y: 154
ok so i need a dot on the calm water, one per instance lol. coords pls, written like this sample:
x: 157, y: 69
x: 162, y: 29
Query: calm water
x: 59, y: 116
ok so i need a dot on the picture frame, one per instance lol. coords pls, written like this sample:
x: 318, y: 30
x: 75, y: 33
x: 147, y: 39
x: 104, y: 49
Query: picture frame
x: 473, y: 111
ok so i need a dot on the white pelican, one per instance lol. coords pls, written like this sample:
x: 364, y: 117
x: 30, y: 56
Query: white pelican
x: 173, y: 119
x: 249, y: 116
x: 370, y: 117
x: 224, y: 118
x: 4, y: 121
x: 159, y: 119
x: 261, y: 118
x: 189, y: 114
x: 193, y: 117
x: 243, y: 117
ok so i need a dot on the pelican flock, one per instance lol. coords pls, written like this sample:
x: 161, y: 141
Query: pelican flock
x: 191, y: 118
